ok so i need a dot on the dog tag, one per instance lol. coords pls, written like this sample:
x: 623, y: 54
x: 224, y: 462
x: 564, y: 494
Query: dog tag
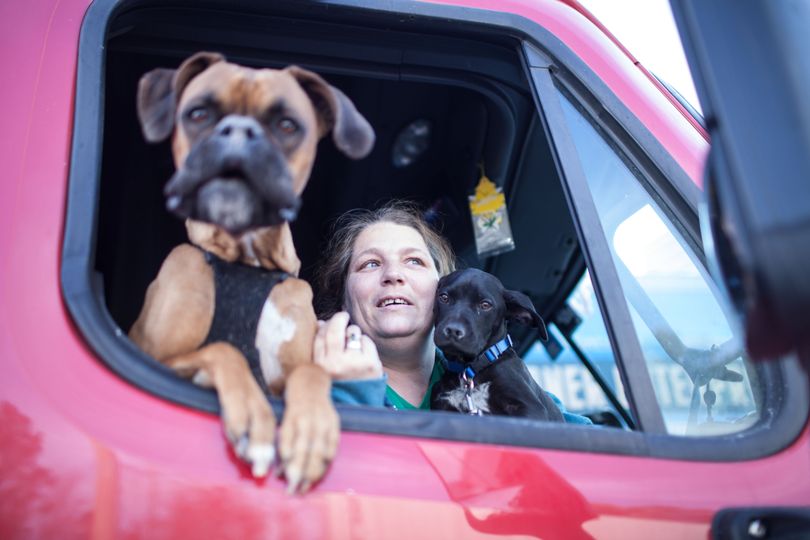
x: 493, y: 234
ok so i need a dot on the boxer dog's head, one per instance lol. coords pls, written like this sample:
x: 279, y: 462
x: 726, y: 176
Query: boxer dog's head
x: 244, y: 140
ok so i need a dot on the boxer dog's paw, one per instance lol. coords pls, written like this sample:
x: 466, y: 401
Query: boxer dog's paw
x: 250, y: 425
x: 247, y: 418
x: 308, y: 441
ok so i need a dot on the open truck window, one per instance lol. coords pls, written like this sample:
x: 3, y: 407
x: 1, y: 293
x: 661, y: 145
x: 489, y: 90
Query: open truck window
x: 592, y: 199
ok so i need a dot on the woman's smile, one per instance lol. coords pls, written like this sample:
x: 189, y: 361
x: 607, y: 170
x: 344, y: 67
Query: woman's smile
x: 393, y: 302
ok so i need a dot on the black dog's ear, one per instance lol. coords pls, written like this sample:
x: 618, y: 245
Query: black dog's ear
x: 352, y: 133
x: 159, y: 90
x: 519, y: 308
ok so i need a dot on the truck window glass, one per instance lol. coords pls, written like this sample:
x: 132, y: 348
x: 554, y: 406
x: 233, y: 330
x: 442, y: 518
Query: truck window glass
x: 701, y: 377
x: 562, y: 372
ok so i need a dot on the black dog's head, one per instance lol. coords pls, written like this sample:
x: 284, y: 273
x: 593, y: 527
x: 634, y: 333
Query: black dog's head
x: 244, y: 139
x: 471, y: 311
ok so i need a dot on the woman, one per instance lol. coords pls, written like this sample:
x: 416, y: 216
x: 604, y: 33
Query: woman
x: 381, y: 270
x: 378, y: 284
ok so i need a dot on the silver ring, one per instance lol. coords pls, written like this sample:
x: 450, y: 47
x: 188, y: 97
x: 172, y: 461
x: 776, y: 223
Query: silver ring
x: 353, y: 341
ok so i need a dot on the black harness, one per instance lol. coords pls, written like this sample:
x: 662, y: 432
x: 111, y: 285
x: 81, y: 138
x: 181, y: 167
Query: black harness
x: 239, y: 295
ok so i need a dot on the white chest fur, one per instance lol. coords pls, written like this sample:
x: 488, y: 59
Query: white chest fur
x: 273, y: 330
x: 457, y: 398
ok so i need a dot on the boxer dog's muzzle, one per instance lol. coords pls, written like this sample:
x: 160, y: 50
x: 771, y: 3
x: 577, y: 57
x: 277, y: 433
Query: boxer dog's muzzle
x: 236, y: 178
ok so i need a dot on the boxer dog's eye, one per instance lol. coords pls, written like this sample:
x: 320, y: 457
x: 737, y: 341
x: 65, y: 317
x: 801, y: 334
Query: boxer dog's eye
x: 287, y: 126
x: 443, y: 298
x: 485, y: 305
x: 198, y: 115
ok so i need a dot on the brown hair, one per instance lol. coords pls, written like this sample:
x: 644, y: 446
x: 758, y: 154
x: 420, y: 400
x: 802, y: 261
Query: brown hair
x: 332, y: 273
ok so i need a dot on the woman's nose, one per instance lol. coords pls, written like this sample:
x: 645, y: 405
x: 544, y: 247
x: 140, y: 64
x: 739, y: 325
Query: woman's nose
x: 392, y: 275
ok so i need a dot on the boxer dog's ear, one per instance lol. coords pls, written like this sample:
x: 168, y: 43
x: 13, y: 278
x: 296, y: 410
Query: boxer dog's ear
x: 351, y: 132
x: 156, y: 104
x: 160, y: 89
x: 519, y: 308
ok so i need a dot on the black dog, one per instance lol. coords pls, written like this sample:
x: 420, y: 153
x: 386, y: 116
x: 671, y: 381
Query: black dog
x: 484, y: 374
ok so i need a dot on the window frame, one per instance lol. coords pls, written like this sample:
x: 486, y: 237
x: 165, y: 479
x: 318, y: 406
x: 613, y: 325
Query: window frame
x: 604, y: 276
x: 84, y: 298
x: 679, y: 202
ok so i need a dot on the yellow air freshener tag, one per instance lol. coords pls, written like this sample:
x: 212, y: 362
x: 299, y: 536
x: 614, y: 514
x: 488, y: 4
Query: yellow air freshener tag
x: 493, y: 235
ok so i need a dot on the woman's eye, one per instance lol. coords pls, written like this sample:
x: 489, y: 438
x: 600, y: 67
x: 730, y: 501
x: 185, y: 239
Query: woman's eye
x: 415, y: 260
x: 485, y: 305
x: 443, y: 298
x: 288, y: 126
x: 369, y: 264
x: 198, y: 115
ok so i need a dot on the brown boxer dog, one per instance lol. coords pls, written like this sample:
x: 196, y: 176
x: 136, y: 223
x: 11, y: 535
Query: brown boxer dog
x: 244, y: 142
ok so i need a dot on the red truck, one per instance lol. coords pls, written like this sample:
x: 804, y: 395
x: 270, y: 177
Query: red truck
x: 603, y: 172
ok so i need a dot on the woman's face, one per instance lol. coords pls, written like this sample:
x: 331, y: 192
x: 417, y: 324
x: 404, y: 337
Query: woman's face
x: 391, y: 283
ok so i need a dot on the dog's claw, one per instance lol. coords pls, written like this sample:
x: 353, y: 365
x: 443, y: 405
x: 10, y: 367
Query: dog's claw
x: 288, y: 214
x: 261, y: 457
x: 173, y: 202
x: 241, y: 446
x: 294, y: 478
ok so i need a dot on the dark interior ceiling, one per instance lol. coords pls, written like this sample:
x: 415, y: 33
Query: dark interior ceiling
x: 474, y: 94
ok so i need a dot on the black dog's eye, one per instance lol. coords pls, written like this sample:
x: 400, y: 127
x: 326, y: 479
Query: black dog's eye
x: 198, y: 115
x: 443, y: 298
x: 288, y: 126
x: 485, y: 305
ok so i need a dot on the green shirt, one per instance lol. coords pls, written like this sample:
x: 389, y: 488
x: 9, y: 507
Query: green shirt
x: 399, y: 402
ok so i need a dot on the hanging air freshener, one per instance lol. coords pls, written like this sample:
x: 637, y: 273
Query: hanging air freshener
x: 493, y: 235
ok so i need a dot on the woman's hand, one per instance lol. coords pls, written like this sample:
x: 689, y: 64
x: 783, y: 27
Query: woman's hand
x: 344, y: 352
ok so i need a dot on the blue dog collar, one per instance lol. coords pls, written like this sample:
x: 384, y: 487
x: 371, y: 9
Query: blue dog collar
x: 494, y: 352
x: 486, y: 358
x: 452, y: 366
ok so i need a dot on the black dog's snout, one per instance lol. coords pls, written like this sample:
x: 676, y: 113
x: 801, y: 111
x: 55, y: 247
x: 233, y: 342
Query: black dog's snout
x: 454, y: 331
x: 234, y: 127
